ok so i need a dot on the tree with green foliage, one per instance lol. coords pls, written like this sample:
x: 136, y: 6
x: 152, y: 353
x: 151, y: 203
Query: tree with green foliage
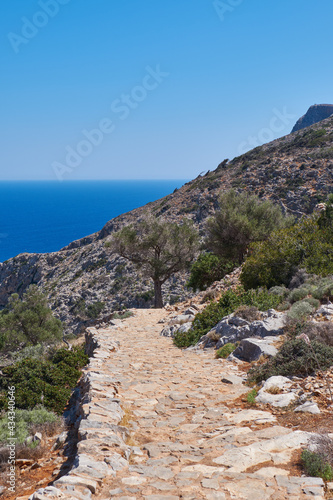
x: 207, y: 269
x: 159, y: 248
x: 28, y: 321
x: 307, y: 244
x: 241, y: 219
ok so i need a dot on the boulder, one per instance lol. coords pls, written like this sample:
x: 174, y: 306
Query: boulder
x: 169, y: 330
x: 181, y: 318
x: 308, y: 407
x: 185, y: 327
x: 251, y: 349
x: 279, y: 400
x: 233, y: 328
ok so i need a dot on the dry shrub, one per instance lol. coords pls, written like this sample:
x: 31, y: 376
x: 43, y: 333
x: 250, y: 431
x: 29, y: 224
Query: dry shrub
x: 212, y: 335
x: 323, y: 446
x: 249, y: 313
x: 274, y: 390
x: 321, y: 332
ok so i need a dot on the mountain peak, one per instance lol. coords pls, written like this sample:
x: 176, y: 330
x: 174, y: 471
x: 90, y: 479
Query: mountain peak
x: 314, y: 114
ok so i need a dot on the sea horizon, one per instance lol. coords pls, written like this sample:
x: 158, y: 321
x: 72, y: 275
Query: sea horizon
x: 43, y: 216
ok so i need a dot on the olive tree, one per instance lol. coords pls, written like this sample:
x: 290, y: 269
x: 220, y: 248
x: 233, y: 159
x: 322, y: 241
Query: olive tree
x: 158, y: 247
x: 240, y: 220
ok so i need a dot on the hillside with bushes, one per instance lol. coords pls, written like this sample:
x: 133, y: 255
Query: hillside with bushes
x: 86, y: 281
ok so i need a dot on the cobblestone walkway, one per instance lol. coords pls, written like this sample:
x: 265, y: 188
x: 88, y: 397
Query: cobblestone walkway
x: 190, y: 440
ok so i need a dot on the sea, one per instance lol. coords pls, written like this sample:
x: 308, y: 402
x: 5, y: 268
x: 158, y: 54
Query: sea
x: 45, y: 216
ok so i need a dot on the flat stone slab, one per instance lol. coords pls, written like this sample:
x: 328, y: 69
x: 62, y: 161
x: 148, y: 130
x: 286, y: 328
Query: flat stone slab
x: 255, y: 416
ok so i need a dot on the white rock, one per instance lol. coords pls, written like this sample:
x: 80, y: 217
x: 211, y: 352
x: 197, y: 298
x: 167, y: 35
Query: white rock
x: 277, y: 381
x: 308, y: 407
x: 277, y: 400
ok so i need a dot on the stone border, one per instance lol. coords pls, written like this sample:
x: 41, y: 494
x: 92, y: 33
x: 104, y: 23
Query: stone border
x: 101, y: 448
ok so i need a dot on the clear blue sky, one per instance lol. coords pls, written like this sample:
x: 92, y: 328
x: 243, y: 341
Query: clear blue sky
x: 229, y: 74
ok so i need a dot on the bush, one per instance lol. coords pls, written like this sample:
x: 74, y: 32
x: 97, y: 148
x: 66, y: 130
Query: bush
x: 48, y: 382
x: 315, y: 465
x: 240, y: 220
x: 249, y: 313
x: 300, y: 310
x: 295, y: 357
x: 215, y: 311
x: 251, y: 397
x: 28, y: 421
x: 207, y: 269
x: 28, y: 321
x: 307, y: 244
x: 298, y: 294
x: 321, y: 332
x: 281, y: 291
x: 94, y: 310
x: 224, y: 351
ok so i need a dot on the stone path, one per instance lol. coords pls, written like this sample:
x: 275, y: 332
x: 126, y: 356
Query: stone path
x: 188, y: 439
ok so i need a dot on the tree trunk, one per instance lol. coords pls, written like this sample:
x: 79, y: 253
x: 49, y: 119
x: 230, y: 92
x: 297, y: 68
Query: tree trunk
x: 158, y: 294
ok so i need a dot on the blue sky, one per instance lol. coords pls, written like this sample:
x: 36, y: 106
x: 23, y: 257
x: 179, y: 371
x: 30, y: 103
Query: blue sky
x: 106, y: 89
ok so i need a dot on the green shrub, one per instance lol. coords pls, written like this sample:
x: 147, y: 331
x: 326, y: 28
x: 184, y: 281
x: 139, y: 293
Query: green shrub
x: 146, y: 296
x: 300, y: 310
x: 240, y: 220
x: 284, y: 306
x: 28, y: 321
x: 298, y: 294
x: 94, y: 310
x: 315, y: 465
x: 42, y: 381
x: 26, y: 422
x: 123, y: 315
x: 295, y: 357
x: 215, y: 311
x: 275, y: 261
x: 251, y: 397
x: 314, y: 303
x: 207, y: 269
x: 224, y: 351
x: 281, y: 291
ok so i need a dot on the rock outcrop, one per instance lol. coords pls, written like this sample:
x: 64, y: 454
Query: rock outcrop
x: 314, y: 114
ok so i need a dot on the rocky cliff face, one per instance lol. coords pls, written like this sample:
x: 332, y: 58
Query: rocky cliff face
x: 314, y: 114
x: 295, y: 171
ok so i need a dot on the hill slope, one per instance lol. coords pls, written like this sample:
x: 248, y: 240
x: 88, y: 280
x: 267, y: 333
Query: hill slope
x: 295, y: 171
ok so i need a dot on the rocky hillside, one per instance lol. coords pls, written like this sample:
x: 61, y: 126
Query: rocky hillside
x: 314, y: 114
x: 294, y: 171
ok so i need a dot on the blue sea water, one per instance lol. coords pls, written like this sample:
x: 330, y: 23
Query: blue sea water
x: 45, y: 216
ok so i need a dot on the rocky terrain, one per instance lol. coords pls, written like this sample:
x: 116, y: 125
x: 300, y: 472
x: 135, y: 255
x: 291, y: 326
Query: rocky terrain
x: 314, y: 114
x: 158, y: 423
x: 294, y: 171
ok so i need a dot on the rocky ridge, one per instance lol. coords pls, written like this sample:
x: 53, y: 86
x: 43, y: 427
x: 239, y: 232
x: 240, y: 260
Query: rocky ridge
x: 294, y: 171
x: 314, y: 114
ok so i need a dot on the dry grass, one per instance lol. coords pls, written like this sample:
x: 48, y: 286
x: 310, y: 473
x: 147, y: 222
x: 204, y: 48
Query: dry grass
x: 212, y: 335
x: 127, y: 417
x: 248, y: 313
x: 274, y: 390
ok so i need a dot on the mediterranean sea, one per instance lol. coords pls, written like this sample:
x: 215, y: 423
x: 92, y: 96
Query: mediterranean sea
x: 44, y: 216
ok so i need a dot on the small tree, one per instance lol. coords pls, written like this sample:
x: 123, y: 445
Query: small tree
x: 240, y: 220
x: 28, y: 321
x: 158, y: 247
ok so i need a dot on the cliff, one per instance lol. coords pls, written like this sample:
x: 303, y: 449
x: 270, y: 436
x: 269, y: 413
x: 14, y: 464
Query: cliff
x: 314, y: 114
